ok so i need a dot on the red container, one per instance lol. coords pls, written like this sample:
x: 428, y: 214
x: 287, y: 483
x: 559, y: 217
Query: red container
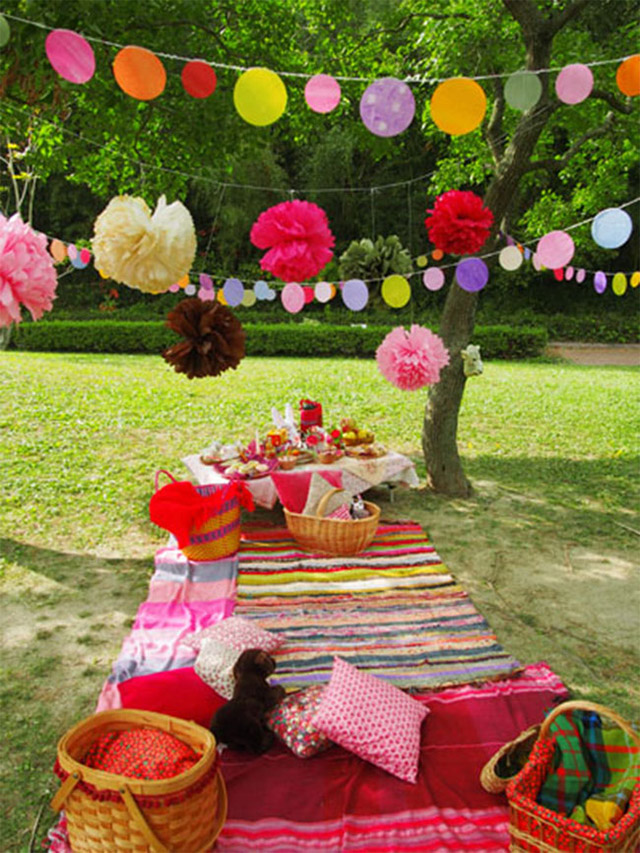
x: 310, y: 414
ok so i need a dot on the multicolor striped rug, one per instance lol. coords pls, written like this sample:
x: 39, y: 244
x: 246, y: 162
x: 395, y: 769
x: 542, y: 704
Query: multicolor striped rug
x: 393, y: 610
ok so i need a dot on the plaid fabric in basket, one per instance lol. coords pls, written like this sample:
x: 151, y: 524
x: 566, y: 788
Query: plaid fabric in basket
x: 341, y: 512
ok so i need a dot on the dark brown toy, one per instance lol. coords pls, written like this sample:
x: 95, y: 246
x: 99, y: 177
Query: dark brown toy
x: 240, y: 724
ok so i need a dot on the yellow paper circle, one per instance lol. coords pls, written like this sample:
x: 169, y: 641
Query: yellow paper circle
x: 220, y: 297
x: 619, y: 283
x: 184, y: 281
x: 458, y: 105
x: 635, y: 279
x: 103, y: 274
x: 249, y: 299
x: 396, y: 291
x: 260, y: 96
x: 422, y: 260
x: 333, y: 291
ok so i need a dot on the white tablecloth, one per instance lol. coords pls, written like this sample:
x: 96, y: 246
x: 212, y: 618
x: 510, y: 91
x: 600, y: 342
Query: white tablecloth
x: 358, y: 475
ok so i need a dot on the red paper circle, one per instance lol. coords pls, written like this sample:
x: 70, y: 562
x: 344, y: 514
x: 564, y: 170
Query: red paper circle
x: 199, y: 79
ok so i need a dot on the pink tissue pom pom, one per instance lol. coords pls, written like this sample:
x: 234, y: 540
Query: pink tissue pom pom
x: 411, y: 360
x: 27, y: 273
x: 298, y: 237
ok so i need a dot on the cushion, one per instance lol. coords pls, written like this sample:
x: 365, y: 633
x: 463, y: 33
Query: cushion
x: 177, y: 692
x: 372, y: 719
x: 291, y: 722
x: 140, y: 754
x: 318, y: 487
x: 237, y: 632
x: 293, y: 486
x: 214, y: 665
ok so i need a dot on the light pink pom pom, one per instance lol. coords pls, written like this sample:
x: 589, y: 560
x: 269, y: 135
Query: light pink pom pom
x: 411, y: 360
x: 298, y: 237
x: 27, y: 274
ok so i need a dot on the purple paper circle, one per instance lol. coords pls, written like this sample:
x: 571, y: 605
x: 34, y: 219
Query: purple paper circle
x: 555, y: 250
x: 72, y: 251
x: 599, y: 282
x: 574, y: 83
x: 205, y: 281
x: 527, y: 253
x: 292, y: 297
x: 70, y: 55
x: 433, y: 278
x: 472, y: 274
x: 581, y: 275
x: 233, y: 291
x: 322, y: 93
x: 355, y: 294
x: 387, y: 107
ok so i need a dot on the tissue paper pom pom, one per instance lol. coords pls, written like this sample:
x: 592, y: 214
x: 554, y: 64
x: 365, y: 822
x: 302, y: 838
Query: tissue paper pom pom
x: 459, y: 223
x: 214, y: 338
x: 411, y: 360
x: 146, y: 252
x: 27, y: 273
x: 300, y: 240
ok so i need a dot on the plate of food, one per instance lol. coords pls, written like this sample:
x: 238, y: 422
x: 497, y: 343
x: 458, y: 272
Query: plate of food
x: 366, y: 451
x: 252, y: 469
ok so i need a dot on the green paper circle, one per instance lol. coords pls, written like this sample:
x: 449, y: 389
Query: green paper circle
x: 5, y: 31
x: 522, y: 90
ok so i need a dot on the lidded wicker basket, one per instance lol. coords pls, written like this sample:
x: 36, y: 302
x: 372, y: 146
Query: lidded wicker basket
x: 341, y: 537
x: 108, y: 812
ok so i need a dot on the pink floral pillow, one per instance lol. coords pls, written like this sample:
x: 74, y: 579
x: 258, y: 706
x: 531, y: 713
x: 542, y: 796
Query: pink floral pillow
x: 291, y: 722
x: 236, y: 632
x: 372, y: 719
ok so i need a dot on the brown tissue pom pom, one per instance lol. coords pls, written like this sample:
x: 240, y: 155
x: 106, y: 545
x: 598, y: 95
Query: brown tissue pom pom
x: 213, y: 338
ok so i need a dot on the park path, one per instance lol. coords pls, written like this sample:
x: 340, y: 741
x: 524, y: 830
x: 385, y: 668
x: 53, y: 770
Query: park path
x: 602, y: 354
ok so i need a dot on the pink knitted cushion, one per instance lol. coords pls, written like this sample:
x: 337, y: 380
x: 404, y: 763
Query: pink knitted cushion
x: 236, y: 632
x: 373, y: 719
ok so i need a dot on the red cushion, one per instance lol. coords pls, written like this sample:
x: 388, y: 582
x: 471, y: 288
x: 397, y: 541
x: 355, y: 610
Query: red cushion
x: 176, y: 692
x: 141, y: 754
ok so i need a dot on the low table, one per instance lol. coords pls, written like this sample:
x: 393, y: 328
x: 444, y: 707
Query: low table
x: 358, y: 475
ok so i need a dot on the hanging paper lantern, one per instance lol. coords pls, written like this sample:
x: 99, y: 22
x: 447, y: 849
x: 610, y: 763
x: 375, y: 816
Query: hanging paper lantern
x: 522, y: 90
x: 292, y: 298
x: 459, y: 223
x: 574, y: 83
x: 199, y: 79
x: 70, y: 55
x: 27, y: 273
x: 214, y: 339
x: 628, y: 76
x: 555, y: 249
x: 322, y: 93
x: 146, y: 252
x: 355, y: 294
x: 396, y: 291
x: 298, y: 238
x: 458, y: 105
x: 233, y: 290
x: 139, y: 73
x: 260, y: 96
x: 472, y: 274
x: 387, y: 107
x: 611, y: 228
x: 413, y: 359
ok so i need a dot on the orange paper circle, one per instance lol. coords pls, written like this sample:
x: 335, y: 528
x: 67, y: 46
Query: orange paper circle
x: 458, y: 105
x: 58, y: 250
x: 628, y: 76
x: 139, y: 73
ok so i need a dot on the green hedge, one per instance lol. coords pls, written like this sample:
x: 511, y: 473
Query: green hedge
x: 285, y: 339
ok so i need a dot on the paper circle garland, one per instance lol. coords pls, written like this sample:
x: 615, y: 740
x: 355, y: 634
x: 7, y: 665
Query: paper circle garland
x: 635, y: 279
x: 458, y: 105
x: 599, y: 282
x: 261, y: 288
x: 568, y: 273
x: 611, y: 228
x: 555, y: 249
x: 249, y: 299
x: 270, y: 294
x: 190, y: 289
x: 396, y: 291
x: 58, y: 250
x: 78, y: 263
x: 292, y: 298
x: 174, y: 288
x: 574, y: 83
x: 260, y: 96
x: 433, y: 278
x: 355, y: 294
x: 581, y: 275
x: 205, y: 281
x: 207, y: 294
x: 619, y: 284
x: 627, y: 76
x: 522, y: 90
x: 5, y: 31
x: 72, y: 251
x: 322, y: 93
x: 323, y: 291
x: 199, y: 79
x: 510, y: 258
x: 70, y: 55
x: 308, y: 293
x: 233, y: 290
x: 558, y: 274
x: 387, y: 107
x: 139, y: 73
x: 472, y: 274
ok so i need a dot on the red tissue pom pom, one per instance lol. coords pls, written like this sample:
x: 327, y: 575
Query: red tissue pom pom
x: 459, y: 223
x: 298, y: 238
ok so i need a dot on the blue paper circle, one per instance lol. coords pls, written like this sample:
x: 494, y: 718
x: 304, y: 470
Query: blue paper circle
x: 78, y: 263
x: 611, y: 228
x: 261, y: 288
x: 355, y: 294
x: 233, y: 291
x: 472, y: 274
x: 270, y: 294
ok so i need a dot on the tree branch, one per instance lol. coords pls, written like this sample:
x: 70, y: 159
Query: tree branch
x: 493, y: 130
x: 186, y: 23
x: 614, y: 103
x: 562, y: 18
x: 555, y: 165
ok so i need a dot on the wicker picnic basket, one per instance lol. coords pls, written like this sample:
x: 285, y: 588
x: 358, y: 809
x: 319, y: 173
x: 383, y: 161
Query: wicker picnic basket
x: 107, y: 812
x: 489, y: 778
x: 536, y: 829
x: 333, y: 535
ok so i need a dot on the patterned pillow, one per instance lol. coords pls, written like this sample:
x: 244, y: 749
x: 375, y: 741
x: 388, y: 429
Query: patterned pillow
x: 373, y: 719
x: 237, y: 632
x: 318, y: 487
x: 214, y: 665
x: 291, y: 722
x: 141, y: 754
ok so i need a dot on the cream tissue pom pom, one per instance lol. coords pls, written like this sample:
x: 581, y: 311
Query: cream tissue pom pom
x: 147, y: 252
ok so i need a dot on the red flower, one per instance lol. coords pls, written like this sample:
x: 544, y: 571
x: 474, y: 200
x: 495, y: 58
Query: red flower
x: 312, y: 440
x: 459, y: 223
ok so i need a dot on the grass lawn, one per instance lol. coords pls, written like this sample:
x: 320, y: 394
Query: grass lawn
x: 546, y: 546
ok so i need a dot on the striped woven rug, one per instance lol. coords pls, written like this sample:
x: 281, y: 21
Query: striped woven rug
x: 393, y: 610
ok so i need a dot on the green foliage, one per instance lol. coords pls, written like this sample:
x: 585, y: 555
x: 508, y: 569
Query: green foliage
x: 94, y: 336
x: 368, y: 260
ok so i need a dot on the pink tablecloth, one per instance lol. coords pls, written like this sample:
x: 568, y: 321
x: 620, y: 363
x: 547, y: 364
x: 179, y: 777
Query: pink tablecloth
x: 358, y: 475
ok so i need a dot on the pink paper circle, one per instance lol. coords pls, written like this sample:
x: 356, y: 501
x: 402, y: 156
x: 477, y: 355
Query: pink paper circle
x: 85, y: 256
x: 174, y: 288
x: 70, y: 55
x: 555, y: 250
x: 322, y: 93
x: 599, y: 282
x: 433, y: 278
x: 233, y: 291
x: 323, y: 291
x: 472, y: 274
x: 387, y: 107
x: 568, y: 273
x: 207, y: 294
x: 292, y: 297
x: 355, y: 294
x: 581, y: 275
x: 72, y: 251
x: 574, y: 83
x: 205, y: 281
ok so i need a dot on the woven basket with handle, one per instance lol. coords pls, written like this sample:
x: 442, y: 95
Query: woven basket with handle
x: 107, y: 812
x: 489, y: 778
x: 333, y: 535
x: 536, y: 829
